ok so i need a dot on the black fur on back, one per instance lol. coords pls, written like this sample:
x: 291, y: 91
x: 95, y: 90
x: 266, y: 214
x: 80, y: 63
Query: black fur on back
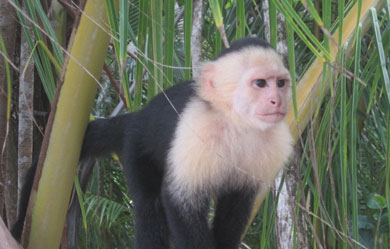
x: 244, y: 43
x: 153, y: 126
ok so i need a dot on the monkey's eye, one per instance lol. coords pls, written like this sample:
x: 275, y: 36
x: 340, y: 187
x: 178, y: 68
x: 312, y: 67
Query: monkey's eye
x: 281, y: 83
x: 260, y: 83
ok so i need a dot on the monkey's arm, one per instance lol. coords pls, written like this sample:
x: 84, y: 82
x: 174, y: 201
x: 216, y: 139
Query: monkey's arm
x: 231, y: 217
x: 189, y: 223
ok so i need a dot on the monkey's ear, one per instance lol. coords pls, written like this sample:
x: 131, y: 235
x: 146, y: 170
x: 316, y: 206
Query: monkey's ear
x: 207, y: 77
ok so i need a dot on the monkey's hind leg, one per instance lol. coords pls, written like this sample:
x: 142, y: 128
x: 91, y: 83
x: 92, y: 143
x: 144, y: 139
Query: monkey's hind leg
x: 151, y: 230
x: 144, y: 180
x: 188, y: 224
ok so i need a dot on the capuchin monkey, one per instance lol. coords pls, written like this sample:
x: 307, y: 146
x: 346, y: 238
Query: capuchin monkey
x: 221, y: 136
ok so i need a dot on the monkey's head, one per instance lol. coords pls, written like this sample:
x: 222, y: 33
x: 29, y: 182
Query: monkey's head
x: 249, y: 82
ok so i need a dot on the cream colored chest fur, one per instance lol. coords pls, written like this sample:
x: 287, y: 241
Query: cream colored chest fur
x: 206, y: 154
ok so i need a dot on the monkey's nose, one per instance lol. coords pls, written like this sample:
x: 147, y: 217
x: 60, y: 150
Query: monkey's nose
x: 274, y: 102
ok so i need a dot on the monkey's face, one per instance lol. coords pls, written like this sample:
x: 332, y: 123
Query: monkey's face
x: 262, y: 95
x: 252, y: 84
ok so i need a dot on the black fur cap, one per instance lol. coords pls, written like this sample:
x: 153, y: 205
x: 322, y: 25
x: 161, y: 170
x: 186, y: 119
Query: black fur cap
x: 244, y: 43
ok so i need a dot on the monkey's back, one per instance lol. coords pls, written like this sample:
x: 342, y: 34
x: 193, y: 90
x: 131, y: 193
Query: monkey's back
x: 157, y: 121
x: 148, y: 131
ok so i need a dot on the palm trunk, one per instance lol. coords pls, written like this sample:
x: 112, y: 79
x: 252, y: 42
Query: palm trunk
x: 8, y: 125
x: 196, y: 36
x: 26, y: 109
x: 64, y: 132
x: 285, y: 210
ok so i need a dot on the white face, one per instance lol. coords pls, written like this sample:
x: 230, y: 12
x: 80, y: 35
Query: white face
x: 253, y: 84
x: 262, y: 95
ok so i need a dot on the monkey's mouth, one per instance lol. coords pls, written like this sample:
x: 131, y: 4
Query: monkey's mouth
x: 271, y: 117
